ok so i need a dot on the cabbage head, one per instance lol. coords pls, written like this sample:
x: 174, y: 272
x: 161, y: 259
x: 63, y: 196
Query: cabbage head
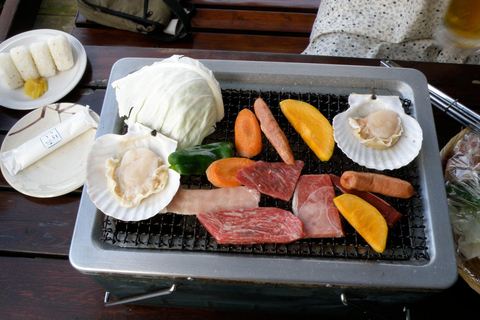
x: 179, y: 97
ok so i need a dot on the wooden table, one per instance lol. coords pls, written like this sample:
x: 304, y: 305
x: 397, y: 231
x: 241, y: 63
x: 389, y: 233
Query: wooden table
x: 36, y: 277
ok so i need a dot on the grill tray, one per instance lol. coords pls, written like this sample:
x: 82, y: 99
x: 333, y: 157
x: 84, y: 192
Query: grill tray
x: 178, y: 232
x: 420, y: 251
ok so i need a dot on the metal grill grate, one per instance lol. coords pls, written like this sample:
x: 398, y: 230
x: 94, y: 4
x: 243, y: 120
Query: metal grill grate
x: 406, y: 240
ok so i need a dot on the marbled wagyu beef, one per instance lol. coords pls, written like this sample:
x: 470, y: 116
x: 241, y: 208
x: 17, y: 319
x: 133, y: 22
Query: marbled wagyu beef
x: 313, y: 205
x: 275, y: 179
x: 252, y: 225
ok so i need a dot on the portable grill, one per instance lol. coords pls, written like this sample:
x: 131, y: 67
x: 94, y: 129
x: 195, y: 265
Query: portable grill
x: 171, y: 260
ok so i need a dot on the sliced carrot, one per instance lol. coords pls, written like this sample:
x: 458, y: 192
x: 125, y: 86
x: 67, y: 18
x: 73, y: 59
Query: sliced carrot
x: 365, y: 218
x: 248, y: 136
x: 222, y: 173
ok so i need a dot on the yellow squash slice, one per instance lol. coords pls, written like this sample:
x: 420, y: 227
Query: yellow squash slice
x: 313, y: 127
x: 365, y: 218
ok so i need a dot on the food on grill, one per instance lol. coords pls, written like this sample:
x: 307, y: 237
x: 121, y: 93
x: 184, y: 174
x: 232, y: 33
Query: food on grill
x: 135, y: 175
x: 9, y: 73
x: 252, y: 225
x: 195, y: 160
x: 195, y: 201
x: 390, y: 214
x: 24, y: 63
x: 43, y: 59
x: 61, y: 52
x: 367, y: 106
x: 179, y: 97
x: 377, y: 183
x: 380, y: 129
x: 273, y: 132
x: 35, y: 88
x: 248, y: 136
x: 365, y: 219
x: 313, y: 205
x: 222, y: 173
x: 276, y: 179
x: 141, y: 158
x: 312, y: 126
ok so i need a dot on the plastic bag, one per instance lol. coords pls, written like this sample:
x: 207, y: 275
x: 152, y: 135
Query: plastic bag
x: 462, y: 181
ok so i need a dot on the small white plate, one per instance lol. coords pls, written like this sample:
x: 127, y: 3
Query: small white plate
x: 58, y: 86
x: 61, y: 171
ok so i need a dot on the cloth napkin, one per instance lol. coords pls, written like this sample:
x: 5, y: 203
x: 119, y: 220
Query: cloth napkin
x: 382, y: 29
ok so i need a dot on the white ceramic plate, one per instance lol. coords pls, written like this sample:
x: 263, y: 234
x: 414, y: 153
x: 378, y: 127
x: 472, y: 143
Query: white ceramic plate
x: 61, y: 171
x: 58, y: 86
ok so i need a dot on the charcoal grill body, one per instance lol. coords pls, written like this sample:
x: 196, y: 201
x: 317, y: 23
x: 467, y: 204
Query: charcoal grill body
x: 310, y: 275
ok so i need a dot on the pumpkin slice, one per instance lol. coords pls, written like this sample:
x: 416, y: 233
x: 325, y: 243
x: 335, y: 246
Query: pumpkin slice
x: 365, y: 218
x: 313, y: 127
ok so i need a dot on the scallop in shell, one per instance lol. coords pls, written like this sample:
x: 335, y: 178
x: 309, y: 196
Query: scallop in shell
x: 395, y: 155
x: 138, y: 143
x: 380, y: 129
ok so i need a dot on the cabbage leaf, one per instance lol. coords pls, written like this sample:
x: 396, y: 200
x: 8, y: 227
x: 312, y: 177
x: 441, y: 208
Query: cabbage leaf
x: 178, y: 97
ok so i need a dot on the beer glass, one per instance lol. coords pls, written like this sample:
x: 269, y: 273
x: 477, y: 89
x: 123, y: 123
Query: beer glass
x: 461, y: 26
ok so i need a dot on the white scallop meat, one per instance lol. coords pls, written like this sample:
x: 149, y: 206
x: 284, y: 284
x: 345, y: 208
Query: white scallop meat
x: 396, y: 155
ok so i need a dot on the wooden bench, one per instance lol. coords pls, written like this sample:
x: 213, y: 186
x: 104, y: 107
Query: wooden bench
x: 233, y: 25
x: 17, y: 16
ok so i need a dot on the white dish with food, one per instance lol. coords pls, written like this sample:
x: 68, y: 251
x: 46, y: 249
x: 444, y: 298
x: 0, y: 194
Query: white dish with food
x: 59, y: 172
x: 59, y: 85
x: 396, y: 155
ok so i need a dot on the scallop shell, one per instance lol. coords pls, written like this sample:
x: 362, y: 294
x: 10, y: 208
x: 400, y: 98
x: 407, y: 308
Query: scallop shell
x: 110, y: 146
x: 394, y: 157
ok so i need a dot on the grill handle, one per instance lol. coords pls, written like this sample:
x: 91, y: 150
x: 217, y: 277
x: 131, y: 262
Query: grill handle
x: 447, y: 104
x: 144, y: 296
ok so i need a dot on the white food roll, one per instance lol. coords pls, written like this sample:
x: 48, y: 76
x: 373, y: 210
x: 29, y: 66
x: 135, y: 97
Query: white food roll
x: 9, y: 73
x: 43, y: 59
x: 61, y: 52
x: 23, y: 60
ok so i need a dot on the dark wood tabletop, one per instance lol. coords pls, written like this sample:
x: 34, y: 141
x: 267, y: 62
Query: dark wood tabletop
x: 37, y: 279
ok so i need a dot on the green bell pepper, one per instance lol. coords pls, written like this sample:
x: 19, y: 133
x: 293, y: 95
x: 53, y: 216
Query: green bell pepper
x: 195, y: 160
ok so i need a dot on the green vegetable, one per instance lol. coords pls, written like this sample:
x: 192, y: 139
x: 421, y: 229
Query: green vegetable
x: 179, y: 97
x: 461, y: 195
x: 195, y: 160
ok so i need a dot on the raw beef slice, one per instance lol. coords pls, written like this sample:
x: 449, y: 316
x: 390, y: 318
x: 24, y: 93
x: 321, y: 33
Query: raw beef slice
x: 313, y: 205
x: 252, y: 225
x: 276, y: 179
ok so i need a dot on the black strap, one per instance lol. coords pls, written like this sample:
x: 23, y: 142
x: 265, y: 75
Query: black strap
x: 179, y: 11
x: 143, y: 21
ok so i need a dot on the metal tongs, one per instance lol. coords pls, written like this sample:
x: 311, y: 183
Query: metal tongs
x: 447, y: 104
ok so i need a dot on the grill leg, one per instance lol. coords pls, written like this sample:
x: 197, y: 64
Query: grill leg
x: 139, y: 297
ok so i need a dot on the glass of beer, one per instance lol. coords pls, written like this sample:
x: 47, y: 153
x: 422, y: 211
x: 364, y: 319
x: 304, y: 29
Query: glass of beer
x: 461, y: 26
